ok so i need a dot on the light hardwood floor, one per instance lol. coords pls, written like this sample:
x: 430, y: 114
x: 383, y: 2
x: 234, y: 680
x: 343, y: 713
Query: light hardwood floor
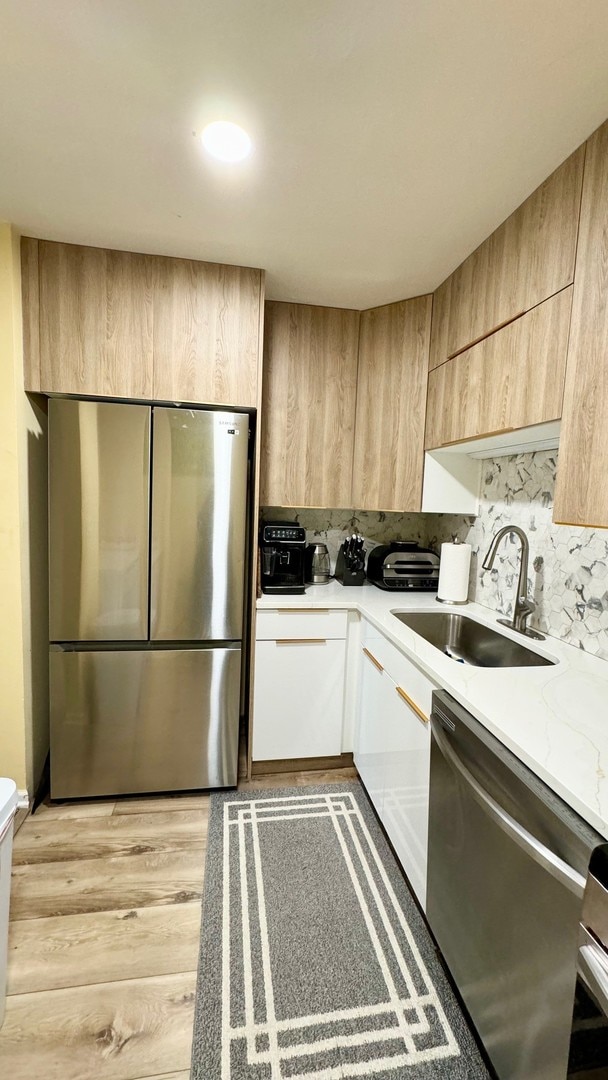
x: 104, y: 936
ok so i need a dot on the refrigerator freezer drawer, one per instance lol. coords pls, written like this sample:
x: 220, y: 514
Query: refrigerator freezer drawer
x: 99, y: 495
x: 133, y: 721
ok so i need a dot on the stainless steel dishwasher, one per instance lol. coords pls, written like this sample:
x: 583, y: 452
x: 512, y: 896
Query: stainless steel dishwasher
x: 589, y: 1044
x: 506, y: 875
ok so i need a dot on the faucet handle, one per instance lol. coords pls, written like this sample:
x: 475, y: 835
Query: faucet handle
x: 523, y: 610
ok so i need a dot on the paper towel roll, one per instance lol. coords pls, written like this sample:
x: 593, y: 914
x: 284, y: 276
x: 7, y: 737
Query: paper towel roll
x: 453, y: 587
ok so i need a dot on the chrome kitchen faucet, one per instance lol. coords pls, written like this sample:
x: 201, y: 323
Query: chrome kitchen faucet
x: 523, y: 607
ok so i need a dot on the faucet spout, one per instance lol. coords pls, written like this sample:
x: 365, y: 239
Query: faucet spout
x: 523, y: 607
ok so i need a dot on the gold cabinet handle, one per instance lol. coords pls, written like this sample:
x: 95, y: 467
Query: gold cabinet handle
x: 371, y: 657
x: 302, y: 641
x: 473, y: 438
x: 412, y: 704
x: 488, y: 333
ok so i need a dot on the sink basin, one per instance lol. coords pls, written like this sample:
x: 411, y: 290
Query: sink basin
x: 469, y: 642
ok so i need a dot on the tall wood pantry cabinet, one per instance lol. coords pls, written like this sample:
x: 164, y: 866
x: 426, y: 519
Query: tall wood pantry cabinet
x: 581, y: 496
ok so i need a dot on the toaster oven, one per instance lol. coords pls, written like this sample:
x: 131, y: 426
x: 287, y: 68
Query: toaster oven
x: 403, y: 565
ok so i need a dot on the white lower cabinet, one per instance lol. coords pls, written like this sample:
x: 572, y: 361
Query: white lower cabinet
x: 405, y: 809
x: 369, y: 742
x: 392, y: 753
x: 298, y: 700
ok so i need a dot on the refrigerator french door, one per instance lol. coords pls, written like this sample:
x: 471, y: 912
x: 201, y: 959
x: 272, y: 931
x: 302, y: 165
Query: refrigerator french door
x: 147, y: 548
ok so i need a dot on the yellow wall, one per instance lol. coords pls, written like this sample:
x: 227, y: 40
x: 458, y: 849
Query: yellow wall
x: 23, y: 544
x: 33, y: 484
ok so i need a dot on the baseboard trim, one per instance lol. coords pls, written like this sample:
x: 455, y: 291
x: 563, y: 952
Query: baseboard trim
x: 309, y: 764
x: 23, y: 799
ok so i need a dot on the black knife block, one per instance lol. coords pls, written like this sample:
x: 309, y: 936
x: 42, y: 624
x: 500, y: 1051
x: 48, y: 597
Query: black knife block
x: 346, y: 576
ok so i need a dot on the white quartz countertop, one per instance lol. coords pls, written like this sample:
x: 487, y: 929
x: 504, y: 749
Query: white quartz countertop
x: 555, y: 718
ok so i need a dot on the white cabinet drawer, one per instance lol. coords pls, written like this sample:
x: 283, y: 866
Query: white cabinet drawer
x: 296, y: 624
x: 401, y: 669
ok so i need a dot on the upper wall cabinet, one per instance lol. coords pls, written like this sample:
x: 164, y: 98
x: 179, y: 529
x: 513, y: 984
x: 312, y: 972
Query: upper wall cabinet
x: 95, y: 320
x: 118, y: 324
x: 527, y: 259
x: 513, y: 379
x: 581, y: 496
x: 206, y: 332
x: 391, y: 398
x: 308, y: 405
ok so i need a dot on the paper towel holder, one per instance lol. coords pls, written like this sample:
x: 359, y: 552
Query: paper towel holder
x: 453, y: 603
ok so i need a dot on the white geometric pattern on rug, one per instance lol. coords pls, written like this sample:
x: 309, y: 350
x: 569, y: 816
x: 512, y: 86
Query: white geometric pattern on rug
x: 399, y: 1019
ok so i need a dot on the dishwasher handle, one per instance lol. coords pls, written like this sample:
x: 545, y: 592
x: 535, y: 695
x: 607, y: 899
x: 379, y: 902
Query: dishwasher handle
x: 562, y: 871
x: 593, y: 969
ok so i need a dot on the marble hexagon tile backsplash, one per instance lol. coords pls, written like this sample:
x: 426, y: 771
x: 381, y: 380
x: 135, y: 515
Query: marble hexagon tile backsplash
x: 331, y: 527
x: 568, y: 571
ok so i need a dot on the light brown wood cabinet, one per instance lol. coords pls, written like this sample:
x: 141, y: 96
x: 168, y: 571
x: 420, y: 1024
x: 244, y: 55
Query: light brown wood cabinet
x: 529, y: 258
x: 206, y: 332
x: 308, y: 405
x: 119, y: 324
x: 343, y: 405
x: 581, y: 496
x: 95, y: 320
x: 438, y: 348
x: 391, y: 400
x: 510, y: 380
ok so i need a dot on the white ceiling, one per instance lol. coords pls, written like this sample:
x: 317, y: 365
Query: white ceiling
x: 391, y: 136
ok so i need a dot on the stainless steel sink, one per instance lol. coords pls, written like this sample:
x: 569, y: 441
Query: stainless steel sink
x: 469, y: 642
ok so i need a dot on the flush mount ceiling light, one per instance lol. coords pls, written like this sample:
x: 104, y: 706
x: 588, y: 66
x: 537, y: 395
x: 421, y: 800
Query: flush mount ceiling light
x: 226, y: 141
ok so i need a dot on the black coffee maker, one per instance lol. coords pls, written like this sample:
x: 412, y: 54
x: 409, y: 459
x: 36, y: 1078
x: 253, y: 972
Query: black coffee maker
x: 282, y: 547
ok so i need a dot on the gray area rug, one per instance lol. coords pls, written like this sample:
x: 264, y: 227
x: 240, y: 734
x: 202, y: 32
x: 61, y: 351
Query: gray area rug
x: 315, y: 962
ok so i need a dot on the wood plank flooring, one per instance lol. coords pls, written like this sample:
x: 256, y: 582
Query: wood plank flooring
x: 104, y: 936
x: 105, y: 884
x: 96, y: 837
x: 71, y: 950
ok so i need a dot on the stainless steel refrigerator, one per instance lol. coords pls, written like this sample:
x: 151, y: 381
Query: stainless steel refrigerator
x: 147, y: 552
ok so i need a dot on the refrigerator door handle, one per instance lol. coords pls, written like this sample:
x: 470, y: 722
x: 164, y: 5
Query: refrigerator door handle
x: 552, y: 863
